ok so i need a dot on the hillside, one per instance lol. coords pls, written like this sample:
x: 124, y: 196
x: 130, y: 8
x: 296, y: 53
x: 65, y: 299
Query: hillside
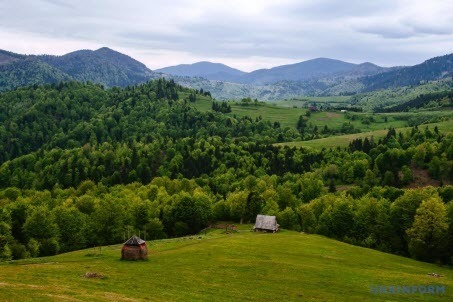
x: 344, y: 140
x: 432, y: 69
x: 103, y: 66
x: 244, y: 266
x: 28, y: 71
x: 307, y: 70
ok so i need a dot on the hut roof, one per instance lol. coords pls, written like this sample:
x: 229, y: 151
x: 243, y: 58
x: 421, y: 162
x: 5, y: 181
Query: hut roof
x: 134, y: 240
x: 266, y: 223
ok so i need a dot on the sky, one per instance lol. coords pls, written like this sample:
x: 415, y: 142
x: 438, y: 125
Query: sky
x: 244, y: 34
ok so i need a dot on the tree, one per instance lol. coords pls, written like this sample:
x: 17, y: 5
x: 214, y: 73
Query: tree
x: 337, y: 220
x: 288, y: 219
x: 193, y: 212
x: 301, y: 125
x: 428, y: 234
x: 402, y: 213
x: 238, y: 204
x: 72, y: 225
x: 108, y: 220
x: 5, y: 236
x: 40, y: 225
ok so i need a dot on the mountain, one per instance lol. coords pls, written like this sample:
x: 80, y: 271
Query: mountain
x: 18, y: 72
x: 317, y: 77
x: 430, y: 70
x: 7, y: 57
x: 306, y: 70
x: 207, y: 70
x: 103, y: 66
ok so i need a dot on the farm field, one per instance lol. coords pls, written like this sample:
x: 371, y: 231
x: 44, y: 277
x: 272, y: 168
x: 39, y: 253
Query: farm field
x: 243, y: 266
x: 344, y: 140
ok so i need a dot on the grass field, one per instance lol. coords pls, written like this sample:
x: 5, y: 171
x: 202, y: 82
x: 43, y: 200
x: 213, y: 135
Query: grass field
x: 288, y: 116
x: 320, y: 100
x: 243, y: 266
x: 344, y: 140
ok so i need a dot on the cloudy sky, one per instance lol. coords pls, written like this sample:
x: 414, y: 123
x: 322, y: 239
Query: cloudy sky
x: 245, y: 34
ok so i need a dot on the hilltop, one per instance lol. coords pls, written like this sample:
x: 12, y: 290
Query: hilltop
x: 244, y: 266
x: 103, y: 66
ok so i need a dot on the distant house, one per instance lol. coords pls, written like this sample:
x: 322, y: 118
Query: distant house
x: 134, y: 249
x: 313, y: 108
x: 343, y: 110
x: 266, y: 223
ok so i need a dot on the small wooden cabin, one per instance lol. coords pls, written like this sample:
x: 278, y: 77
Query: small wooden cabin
x: 134, y: 249
x: 266, y: 223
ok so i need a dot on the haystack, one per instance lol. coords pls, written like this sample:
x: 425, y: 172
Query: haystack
x: 134, y: 249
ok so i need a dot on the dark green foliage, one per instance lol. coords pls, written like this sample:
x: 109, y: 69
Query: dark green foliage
x: 444, y: 98
x: 29, y: 72
x: 223, y: 107
x: 429, y: 70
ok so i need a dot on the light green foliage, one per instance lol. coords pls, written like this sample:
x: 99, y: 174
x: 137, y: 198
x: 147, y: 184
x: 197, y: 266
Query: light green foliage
x: 428, y: 235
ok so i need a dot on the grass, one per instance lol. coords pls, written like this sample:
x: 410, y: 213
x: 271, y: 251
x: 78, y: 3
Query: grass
x: 243, y: 266
x: 288, y: 116
x: 344, y: 140
x: 319, y: 100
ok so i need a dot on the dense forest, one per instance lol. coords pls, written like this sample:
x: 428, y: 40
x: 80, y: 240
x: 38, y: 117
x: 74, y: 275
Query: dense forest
x: 429, y: 100
x: 82, y: 165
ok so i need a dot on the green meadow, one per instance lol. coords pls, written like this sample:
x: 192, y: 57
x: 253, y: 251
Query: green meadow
x: 288, y: 116
x: 242, y: 266
x: 344, y: 140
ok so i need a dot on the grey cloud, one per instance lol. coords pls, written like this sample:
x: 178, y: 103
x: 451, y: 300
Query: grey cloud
x: 385, y: 32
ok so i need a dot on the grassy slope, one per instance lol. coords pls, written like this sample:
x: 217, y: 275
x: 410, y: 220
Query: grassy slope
x: 245, y: 266
x: 344, y: 140
x: 288, y: 117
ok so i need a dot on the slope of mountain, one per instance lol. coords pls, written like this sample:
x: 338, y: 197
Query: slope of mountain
x: 207, y: 70
x: 7, y: 57
x: 429, y: 70
x: 306, y: 70
x: 103, y: 66
x: 20, y: 72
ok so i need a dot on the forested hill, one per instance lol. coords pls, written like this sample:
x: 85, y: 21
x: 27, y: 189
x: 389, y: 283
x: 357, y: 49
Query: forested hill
x: 429, y: 70
x: 103, y: 66
x: 73, y: 114
x: 81, y: 164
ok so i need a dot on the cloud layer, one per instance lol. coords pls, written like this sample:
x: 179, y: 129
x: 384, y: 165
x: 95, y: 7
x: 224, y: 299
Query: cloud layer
x: 246, y: 34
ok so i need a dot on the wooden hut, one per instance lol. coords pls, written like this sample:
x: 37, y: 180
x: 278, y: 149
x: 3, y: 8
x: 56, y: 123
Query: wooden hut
x: 134, y: 249
x: 266, y: 223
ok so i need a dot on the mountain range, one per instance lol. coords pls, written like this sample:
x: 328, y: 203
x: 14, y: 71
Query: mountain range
x: 321, y: 76
x: 303, y: 71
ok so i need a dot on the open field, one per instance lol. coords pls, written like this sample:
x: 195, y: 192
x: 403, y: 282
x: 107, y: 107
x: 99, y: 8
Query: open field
x: 288, y: 116
x: 244, y: 266
x: 319, y: 100
x: 344, y: 140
